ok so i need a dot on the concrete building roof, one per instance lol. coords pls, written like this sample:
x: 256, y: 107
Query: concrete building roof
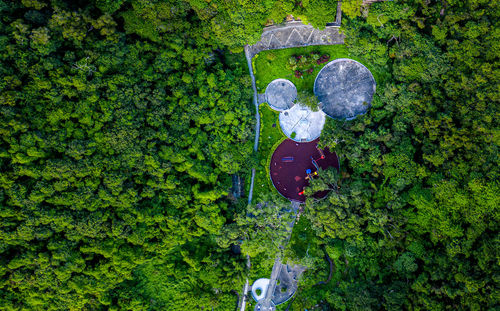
x: 305, y: 123
x: 345, y: 88
x: 281, y: 94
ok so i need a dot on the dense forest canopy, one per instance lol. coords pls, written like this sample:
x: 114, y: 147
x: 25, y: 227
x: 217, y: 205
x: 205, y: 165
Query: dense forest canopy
x: 116, y: 151
x: 122, y: 121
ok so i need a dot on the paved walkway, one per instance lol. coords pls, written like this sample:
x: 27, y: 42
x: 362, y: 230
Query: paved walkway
x: 255, y: 98
x: 257, y: 118
x: 246, y: 289
x: 261, y: 98
x: 250, y: 192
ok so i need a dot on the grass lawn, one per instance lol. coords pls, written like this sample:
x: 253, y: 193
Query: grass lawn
x: 272, y: 64
x: 270, y: 136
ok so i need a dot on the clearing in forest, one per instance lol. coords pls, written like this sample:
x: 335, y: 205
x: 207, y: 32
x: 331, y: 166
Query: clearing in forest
x: 297, y: 69
x: 293, y: 164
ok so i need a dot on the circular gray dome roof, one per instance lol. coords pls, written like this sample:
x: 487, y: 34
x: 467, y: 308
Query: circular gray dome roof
x: 280, y: 94
x: 345, y: 88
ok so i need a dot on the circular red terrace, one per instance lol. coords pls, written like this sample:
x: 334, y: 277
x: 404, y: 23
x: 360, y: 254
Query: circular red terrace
x: 293, y: 163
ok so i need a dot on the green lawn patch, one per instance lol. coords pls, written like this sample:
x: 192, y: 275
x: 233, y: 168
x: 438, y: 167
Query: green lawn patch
x: 270, y: 137
x: 273, y: 64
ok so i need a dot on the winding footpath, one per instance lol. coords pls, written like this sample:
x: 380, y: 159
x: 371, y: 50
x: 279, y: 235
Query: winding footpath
x: 257, y: 116
x: 255, y: 97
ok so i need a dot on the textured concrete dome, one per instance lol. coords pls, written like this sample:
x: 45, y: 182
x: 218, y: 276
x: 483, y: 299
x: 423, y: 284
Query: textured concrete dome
x: 301, y: 124
x: 280, y: 94
x: 345, y: 88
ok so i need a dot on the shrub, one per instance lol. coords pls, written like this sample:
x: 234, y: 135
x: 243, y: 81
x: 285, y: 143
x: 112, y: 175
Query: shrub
x: 306, y: 63
x: 323, y: 59
x: 308, y: 99
x: 271, y: 56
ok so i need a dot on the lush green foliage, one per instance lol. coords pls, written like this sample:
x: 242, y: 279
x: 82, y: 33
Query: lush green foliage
x: 116, y: 154
x: 307, y: 99
x: 243, y: 20
x: 414, y: 216
x: 121, y: 122
x: 269, y: 138
x: 305, y: 64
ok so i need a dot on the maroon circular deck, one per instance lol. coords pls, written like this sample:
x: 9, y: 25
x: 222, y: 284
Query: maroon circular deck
x: 289, y: 176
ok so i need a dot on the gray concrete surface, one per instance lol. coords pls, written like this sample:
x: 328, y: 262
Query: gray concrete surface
x: 243, y: 301
x: 262, y: 285
x: 266, y: 303
x: 257, y: 117
x: 296, y: 34
x: 288, y: 278
x: 281, y: 94
x: 261, y: 98
x: 281, y: 286
x: 250, y: 192
x: 305, y: 123
x: 345, y: 88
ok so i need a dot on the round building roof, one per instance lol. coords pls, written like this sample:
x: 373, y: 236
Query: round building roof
x: 301, y: 120
x: 281, y: 94
x: 345, y: 88
x: 262, y: 285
